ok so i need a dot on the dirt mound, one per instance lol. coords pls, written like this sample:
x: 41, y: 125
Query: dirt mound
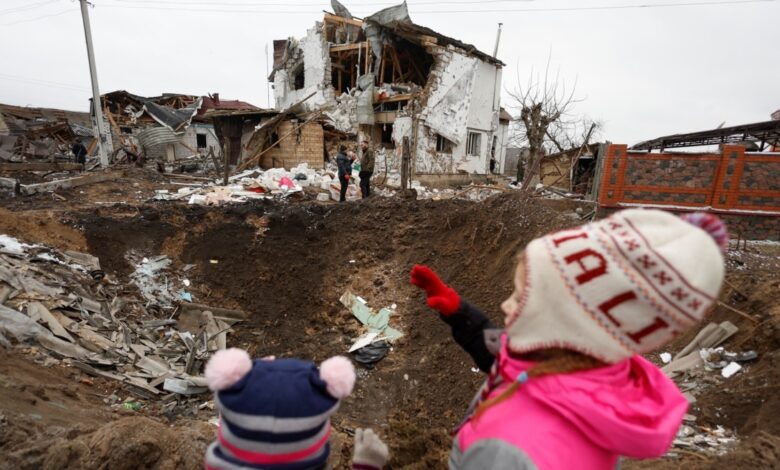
x: 132, y: 443
x: 762, y: 451
x: 46, y: 227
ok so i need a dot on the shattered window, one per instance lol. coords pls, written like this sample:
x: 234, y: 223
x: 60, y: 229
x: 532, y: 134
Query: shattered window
x: 299, y: 79
x: 473, y: 144
x: 201, y: 139
x: 443, y: 145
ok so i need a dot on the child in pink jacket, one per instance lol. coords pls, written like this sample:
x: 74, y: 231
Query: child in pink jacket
x: 567, y: 387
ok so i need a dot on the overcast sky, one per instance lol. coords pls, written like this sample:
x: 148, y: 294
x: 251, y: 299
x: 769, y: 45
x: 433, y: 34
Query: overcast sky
x: 644, y: 72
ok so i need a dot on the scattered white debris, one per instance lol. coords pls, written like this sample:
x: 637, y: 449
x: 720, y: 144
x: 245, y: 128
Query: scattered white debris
x: 666, y: 358
x: 730, y: 370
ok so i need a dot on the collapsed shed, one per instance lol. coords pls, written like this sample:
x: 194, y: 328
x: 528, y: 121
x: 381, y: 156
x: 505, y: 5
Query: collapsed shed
x: 41, y: 133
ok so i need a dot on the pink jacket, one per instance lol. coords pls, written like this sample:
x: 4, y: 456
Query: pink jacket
x: 583, y: 420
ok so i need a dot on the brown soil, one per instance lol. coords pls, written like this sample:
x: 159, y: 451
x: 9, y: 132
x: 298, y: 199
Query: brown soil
x: 288, y: 264
x: 42, y: 226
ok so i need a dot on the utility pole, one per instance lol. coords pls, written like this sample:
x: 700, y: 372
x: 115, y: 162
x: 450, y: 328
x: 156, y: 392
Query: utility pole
x: 96, y: 104
x: 498, y: 39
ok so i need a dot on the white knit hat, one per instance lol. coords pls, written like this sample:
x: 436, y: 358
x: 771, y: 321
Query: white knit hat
x: 623, y: 285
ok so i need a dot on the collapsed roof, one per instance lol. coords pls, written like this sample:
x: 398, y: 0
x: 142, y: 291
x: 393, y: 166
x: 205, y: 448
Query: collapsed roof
x: 763, y: 133
x: 173, y: 111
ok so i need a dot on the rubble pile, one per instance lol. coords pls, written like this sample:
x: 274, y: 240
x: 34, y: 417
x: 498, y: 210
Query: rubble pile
x: 85, y: 319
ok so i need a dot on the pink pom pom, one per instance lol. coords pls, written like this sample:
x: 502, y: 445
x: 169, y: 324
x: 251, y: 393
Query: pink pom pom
x: 712, y: 225
x: 339, y: 374
x: 226, y: 367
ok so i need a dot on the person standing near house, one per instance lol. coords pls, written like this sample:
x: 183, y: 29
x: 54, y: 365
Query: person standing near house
x: 79, y: 152
x: 366, y: 169
x: 344, y: 163
x: 520, y: 170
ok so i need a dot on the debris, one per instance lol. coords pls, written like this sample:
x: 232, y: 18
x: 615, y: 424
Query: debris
x: 132, y: 405
x: 710, y: 336
x: 364, y: 341
x: 30, y: 189
x: 730, y: 370
x: 185, y: 296
x: 666, y: 358
x: 704, y: 439
x: 371, y: 354
x: 375, y: 321
x: 183, y: 387
x: 102, y: 333
x: 718, y: 358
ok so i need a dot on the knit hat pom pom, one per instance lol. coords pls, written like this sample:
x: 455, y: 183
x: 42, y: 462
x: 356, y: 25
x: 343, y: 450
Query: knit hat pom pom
x: 712, y: 225
x: 339, y: 375
x: 226, y: 367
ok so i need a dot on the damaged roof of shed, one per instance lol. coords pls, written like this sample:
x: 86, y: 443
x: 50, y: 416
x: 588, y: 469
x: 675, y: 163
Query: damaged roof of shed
x: 45, y: 114
x: 766, y: 132
x: 216, y: 103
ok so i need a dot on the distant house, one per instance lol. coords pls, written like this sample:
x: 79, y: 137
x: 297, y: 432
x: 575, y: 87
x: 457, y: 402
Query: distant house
x: 27, y: 132
x: 169, y: 126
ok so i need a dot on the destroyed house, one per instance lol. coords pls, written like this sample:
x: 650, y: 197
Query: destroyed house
x: 29, y: 133
x: 387, y: 79
x: 170, y: 126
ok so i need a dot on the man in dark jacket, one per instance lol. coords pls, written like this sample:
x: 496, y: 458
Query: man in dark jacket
x: 366, y: 169
x: 79, y: 152
x: 344, y: 164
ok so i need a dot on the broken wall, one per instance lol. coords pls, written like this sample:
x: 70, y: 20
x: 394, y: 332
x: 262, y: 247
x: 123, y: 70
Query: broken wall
x: 462, y: 99
x: 312, y: 52
x: 304, y: 145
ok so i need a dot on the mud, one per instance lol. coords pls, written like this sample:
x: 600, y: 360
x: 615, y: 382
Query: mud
x: 288, y: 264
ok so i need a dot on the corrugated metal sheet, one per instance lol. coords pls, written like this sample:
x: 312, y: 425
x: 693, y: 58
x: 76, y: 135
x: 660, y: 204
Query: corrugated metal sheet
x: 153, y: 140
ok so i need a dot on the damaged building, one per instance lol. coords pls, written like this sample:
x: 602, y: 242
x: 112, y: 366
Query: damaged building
x: 168, y: 127
x: 41, y: 133
x: 387, y: 79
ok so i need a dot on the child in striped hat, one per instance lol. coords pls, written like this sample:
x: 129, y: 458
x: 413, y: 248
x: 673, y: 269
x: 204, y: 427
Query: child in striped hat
x: 275, y: 413
x: 567, y: 386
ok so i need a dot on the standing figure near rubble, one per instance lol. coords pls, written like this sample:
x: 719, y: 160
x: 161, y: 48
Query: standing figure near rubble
x: 275, y: 413
x: 366, y: 169
x: 567, y: 386
x: 79, y: 153
x: 344, y: 163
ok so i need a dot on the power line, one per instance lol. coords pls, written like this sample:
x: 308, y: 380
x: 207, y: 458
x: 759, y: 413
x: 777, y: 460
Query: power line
x: 607, y: 7
x: 511, y: 10
x: 29, y: 6
x: 36, y: 81
x: 29, y: 20
x: 319, y: 4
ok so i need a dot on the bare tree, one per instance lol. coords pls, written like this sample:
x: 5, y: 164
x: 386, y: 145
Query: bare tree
x: 543, y: 106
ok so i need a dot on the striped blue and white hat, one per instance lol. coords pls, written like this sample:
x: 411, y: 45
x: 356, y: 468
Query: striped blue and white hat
x: 274, y: 414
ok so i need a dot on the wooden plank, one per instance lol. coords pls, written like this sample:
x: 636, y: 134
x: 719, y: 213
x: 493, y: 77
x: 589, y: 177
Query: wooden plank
x: 40, y: 166
x: 396, y: 65
x: 330, y: 18
x: 348, y: 47
x: 399, y: 97
x: 29, y: 189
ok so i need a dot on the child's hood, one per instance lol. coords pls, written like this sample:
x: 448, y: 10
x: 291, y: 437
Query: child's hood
x: 630, y: 408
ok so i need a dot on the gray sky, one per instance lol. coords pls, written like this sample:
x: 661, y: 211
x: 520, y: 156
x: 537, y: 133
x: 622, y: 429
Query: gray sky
x: 644, y: 72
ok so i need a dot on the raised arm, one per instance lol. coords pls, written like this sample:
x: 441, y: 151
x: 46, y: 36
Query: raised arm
x: 467, y: 322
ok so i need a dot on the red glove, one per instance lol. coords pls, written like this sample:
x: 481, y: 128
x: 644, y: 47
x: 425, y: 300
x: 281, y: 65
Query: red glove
x: 346, y: 178
x: 441, y: 297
